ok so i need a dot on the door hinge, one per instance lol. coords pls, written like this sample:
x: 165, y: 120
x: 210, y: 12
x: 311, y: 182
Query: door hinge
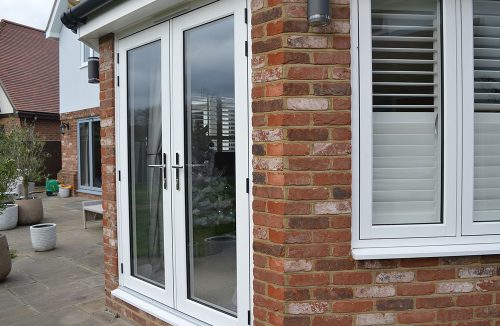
x: 246, y: 15
x: 249, y: 317
x: 248, y: 186
x: 246, y: 48
x: 118, y: 80
x: 118, y: 58
x: 119, y: 175
x: 121, y: 267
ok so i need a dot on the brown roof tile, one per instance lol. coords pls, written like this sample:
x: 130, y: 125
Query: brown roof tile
x: 29, y: 68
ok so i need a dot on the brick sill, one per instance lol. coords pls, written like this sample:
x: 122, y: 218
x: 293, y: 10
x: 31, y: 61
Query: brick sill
x: 155, y: 309
x: 479, y: 249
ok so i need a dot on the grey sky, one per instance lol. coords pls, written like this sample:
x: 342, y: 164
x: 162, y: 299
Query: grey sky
x: 34, y: 13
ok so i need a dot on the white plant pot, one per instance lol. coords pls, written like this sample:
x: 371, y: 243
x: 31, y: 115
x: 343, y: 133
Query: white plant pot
x: 64, y: 192
x: 43, y: 236
x: 8, y: 217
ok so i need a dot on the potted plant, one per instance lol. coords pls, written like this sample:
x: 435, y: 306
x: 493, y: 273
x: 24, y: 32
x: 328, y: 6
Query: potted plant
x: 28, y: 154
x: 5, y: 260
x: 64, y: 190
x: 8, y: 210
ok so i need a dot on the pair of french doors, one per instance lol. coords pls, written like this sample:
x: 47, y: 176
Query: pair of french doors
x: 184, y: 210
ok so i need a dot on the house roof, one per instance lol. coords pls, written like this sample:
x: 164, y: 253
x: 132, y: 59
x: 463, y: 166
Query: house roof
x: 29, y: 68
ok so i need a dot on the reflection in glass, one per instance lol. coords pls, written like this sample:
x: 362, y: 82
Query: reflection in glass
x: 84, y: 154
x: 210, y: 174
x: 486, y: 111
x: 96, y: 154
x: 406, y: 50
x: 145, y: 148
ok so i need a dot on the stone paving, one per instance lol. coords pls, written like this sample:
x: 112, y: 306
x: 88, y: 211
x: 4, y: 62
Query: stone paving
x: 64, y: 286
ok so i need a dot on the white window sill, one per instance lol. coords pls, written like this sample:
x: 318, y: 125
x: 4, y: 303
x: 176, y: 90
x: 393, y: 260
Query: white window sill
x: 426, y: 251
x: 90, y: 192
x: 167, y: 314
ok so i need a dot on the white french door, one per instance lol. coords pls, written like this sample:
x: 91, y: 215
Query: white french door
x: 184, y: 208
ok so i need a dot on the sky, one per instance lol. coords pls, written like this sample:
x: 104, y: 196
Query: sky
x: 34, y: 13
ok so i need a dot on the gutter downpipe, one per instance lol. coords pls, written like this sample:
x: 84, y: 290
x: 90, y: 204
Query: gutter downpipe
x: 77, y: 15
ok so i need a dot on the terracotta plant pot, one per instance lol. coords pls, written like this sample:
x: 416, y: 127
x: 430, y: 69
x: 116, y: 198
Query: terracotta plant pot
x: 8, y: 217
x: 43, y: 236
x: 30, y: 211
x: 5, y: 262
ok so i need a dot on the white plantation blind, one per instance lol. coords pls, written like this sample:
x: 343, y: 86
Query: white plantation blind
x: 406, y: 112
x: 486, y: 111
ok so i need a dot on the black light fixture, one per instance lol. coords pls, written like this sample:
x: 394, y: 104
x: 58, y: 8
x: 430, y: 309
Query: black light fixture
x: 63, y: 127
x: 318, y: 12
x: 93, y: 70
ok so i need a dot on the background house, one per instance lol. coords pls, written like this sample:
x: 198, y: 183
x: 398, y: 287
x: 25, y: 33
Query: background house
x: 29, y: 86
x: 79, y: 102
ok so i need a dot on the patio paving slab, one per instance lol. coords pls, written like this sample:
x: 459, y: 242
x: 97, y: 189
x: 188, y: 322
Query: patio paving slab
x: 64, y: 286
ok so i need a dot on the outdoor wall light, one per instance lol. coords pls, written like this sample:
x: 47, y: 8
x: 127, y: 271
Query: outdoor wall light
x: 63, y: 127
x: 318, y: 12
x: 93, y: 70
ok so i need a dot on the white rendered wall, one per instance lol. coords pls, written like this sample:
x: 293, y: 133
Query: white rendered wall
x: 75, y: 92
x: 5, y: 105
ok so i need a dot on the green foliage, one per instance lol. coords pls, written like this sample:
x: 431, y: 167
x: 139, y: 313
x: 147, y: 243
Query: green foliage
x: 13, y: 254
x: 26, y: 149
x: 7, y: 171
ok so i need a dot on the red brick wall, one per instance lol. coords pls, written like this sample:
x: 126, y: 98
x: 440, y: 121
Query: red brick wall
x: 304, y: 273
x: 48, y: 129
x: 9, y: 122
x: 69, y: 145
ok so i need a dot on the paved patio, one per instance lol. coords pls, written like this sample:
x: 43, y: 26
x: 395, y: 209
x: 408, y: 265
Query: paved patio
x: 64, y: 286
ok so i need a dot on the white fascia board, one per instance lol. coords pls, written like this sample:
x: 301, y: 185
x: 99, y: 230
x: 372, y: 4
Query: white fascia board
x: 116, y: 18
x: 54, y: 24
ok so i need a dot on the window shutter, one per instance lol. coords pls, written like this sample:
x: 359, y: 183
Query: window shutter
x: 406, y: 112
x: 486, y: 111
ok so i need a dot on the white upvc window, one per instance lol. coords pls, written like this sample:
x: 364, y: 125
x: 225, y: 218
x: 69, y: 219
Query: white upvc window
x: 85, y: 53
x: 426, y: 168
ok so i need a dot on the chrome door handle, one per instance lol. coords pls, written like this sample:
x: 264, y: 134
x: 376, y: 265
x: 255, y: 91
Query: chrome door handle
x: 177, y: 166
x: 161, y: 166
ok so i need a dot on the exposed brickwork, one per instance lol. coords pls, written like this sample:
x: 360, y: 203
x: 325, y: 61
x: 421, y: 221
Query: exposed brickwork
x: 304, y: 273
x: 69, y: 144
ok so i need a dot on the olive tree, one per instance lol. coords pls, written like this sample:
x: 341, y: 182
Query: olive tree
x: 27, y: 151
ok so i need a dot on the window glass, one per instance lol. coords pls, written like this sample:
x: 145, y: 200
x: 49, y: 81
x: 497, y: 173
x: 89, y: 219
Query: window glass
x: 407, y: 115
x: 486, y: 111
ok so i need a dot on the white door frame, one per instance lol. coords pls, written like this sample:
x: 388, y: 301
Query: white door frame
x: 175, y: 296
x: 156, y: 33
x: 188, y: 21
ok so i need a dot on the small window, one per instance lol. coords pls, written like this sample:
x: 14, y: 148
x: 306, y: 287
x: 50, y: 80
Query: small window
x: 89, y: 155
x: 86, y: 53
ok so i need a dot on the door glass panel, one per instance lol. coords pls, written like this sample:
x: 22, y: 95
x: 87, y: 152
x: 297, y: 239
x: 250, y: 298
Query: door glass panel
x: 210, y: 172
x: 84, y: 154
x: 145, y: 150
x: 96, y: 154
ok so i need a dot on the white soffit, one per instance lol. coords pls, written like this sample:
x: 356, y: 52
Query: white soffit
x: 118, y: 17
